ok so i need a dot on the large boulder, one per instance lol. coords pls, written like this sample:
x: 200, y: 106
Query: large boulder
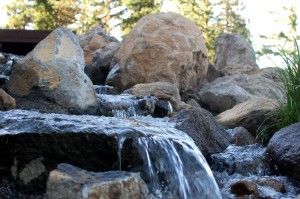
x: 284, y: 150
x: 249, y: 114
x: 233, y: 50
x: 6, y: 101
x: 161, y: 47
x: 201, y: 126
x: 68, y: 181
x: 55, y: 69
x: 226, y: 92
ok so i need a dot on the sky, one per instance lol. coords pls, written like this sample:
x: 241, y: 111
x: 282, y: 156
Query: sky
x: 258, y: 12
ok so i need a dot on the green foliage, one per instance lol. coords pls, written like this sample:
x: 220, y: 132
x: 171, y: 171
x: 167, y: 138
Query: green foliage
x: 288, y: 112
x: 214, y: 18
x: 289, y: 17
x: 137, y: 9
x: 19, y: 13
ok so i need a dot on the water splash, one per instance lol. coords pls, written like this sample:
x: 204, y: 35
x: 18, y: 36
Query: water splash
x: 120, y: 141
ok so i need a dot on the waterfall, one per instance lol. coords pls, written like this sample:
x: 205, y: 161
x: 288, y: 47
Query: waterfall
x: 173, y: 166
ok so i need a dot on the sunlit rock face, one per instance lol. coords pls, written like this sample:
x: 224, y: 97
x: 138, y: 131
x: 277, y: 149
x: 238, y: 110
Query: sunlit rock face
x: 55, y: 69
x: 161, y: 47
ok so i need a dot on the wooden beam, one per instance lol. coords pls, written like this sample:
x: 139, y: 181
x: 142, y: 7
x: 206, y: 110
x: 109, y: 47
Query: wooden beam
x: 23, y: 36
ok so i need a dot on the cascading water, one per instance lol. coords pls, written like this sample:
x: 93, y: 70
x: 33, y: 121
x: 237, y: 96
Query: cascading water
x: 173, y: 166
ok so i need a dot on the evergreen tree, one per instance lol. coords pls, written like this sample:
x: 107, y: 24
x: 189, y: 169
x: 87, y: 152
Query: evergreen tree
x: 286, y: 37
x: 19, y: 13
x: 215, y: 18
x: 230, y: 19
x: 137, y: 9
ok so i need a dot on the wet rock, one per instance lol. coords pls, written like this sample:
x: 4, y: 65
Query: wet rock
x: 33, y: 144
x: 201, y: 126
x: 249, y: 114
x: 273, y: 183
x: 3, y: 60
x: 126, y: 105
x: 274, y: 187
x: 161, y: 47
x: 161, y: 90
x: 240, y: 136
x: 233, y: 50
x: 54, y: 69
x: 7, y: 102
x: 244, y: 188
x: 247, y: 160
x: 226, y: 92
x: 284, y: 150
x: 105, y: 89
x: 68, y: 181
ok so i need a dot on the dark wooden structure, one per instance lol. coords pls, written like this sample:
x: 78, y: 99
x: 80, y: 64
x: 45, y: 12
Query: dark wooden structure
x: 20, y: 42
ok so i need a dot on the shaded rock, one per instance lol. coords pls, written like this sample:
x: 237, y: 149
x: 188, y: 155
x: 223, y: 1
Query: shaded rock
x: 68, y: 181
x: 247, y: 160
x: 102, y: 58
x: 161, y: 47
x: 161, y: 90
x: 213, y: 73
x: 201, y: 126
x: 193, y: 102
x: 226, y: 92
x: 93, y: 40
x: 241, y: 136
x: 233, y: 50
x: 249, y: 114
x: 284, y: 150
x: 54, y: 69
x: 7, y: 102
x: 3, y: 81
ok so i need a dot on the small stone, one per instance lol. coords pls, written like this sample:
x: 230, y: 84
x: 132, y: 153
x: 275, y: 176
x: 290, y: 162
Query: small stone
x: 244, y: 188
x: 6, y: 101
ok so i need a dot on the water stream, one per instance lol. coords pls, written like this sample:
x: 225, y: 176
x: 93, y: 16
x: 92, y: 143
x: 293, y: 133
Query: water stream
x: 173, y: 166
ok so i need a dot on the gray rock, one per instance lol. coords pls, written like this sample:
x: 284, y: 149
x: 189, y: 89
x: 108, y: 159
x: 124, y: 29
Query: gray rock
x: 241, y: 136
x: 202, y: 127
x: 232, y: 50
x: 226, y: 92
x: 68, y: 181
x: 55, y: 70
x: 284, y: 150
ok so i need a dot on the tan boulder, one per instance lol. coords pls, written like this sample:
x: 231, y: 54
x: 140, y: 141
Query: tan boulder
x: 249, y: 114
x: 7, y: 102
x: 161, y: 47
x: 55, y: 69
